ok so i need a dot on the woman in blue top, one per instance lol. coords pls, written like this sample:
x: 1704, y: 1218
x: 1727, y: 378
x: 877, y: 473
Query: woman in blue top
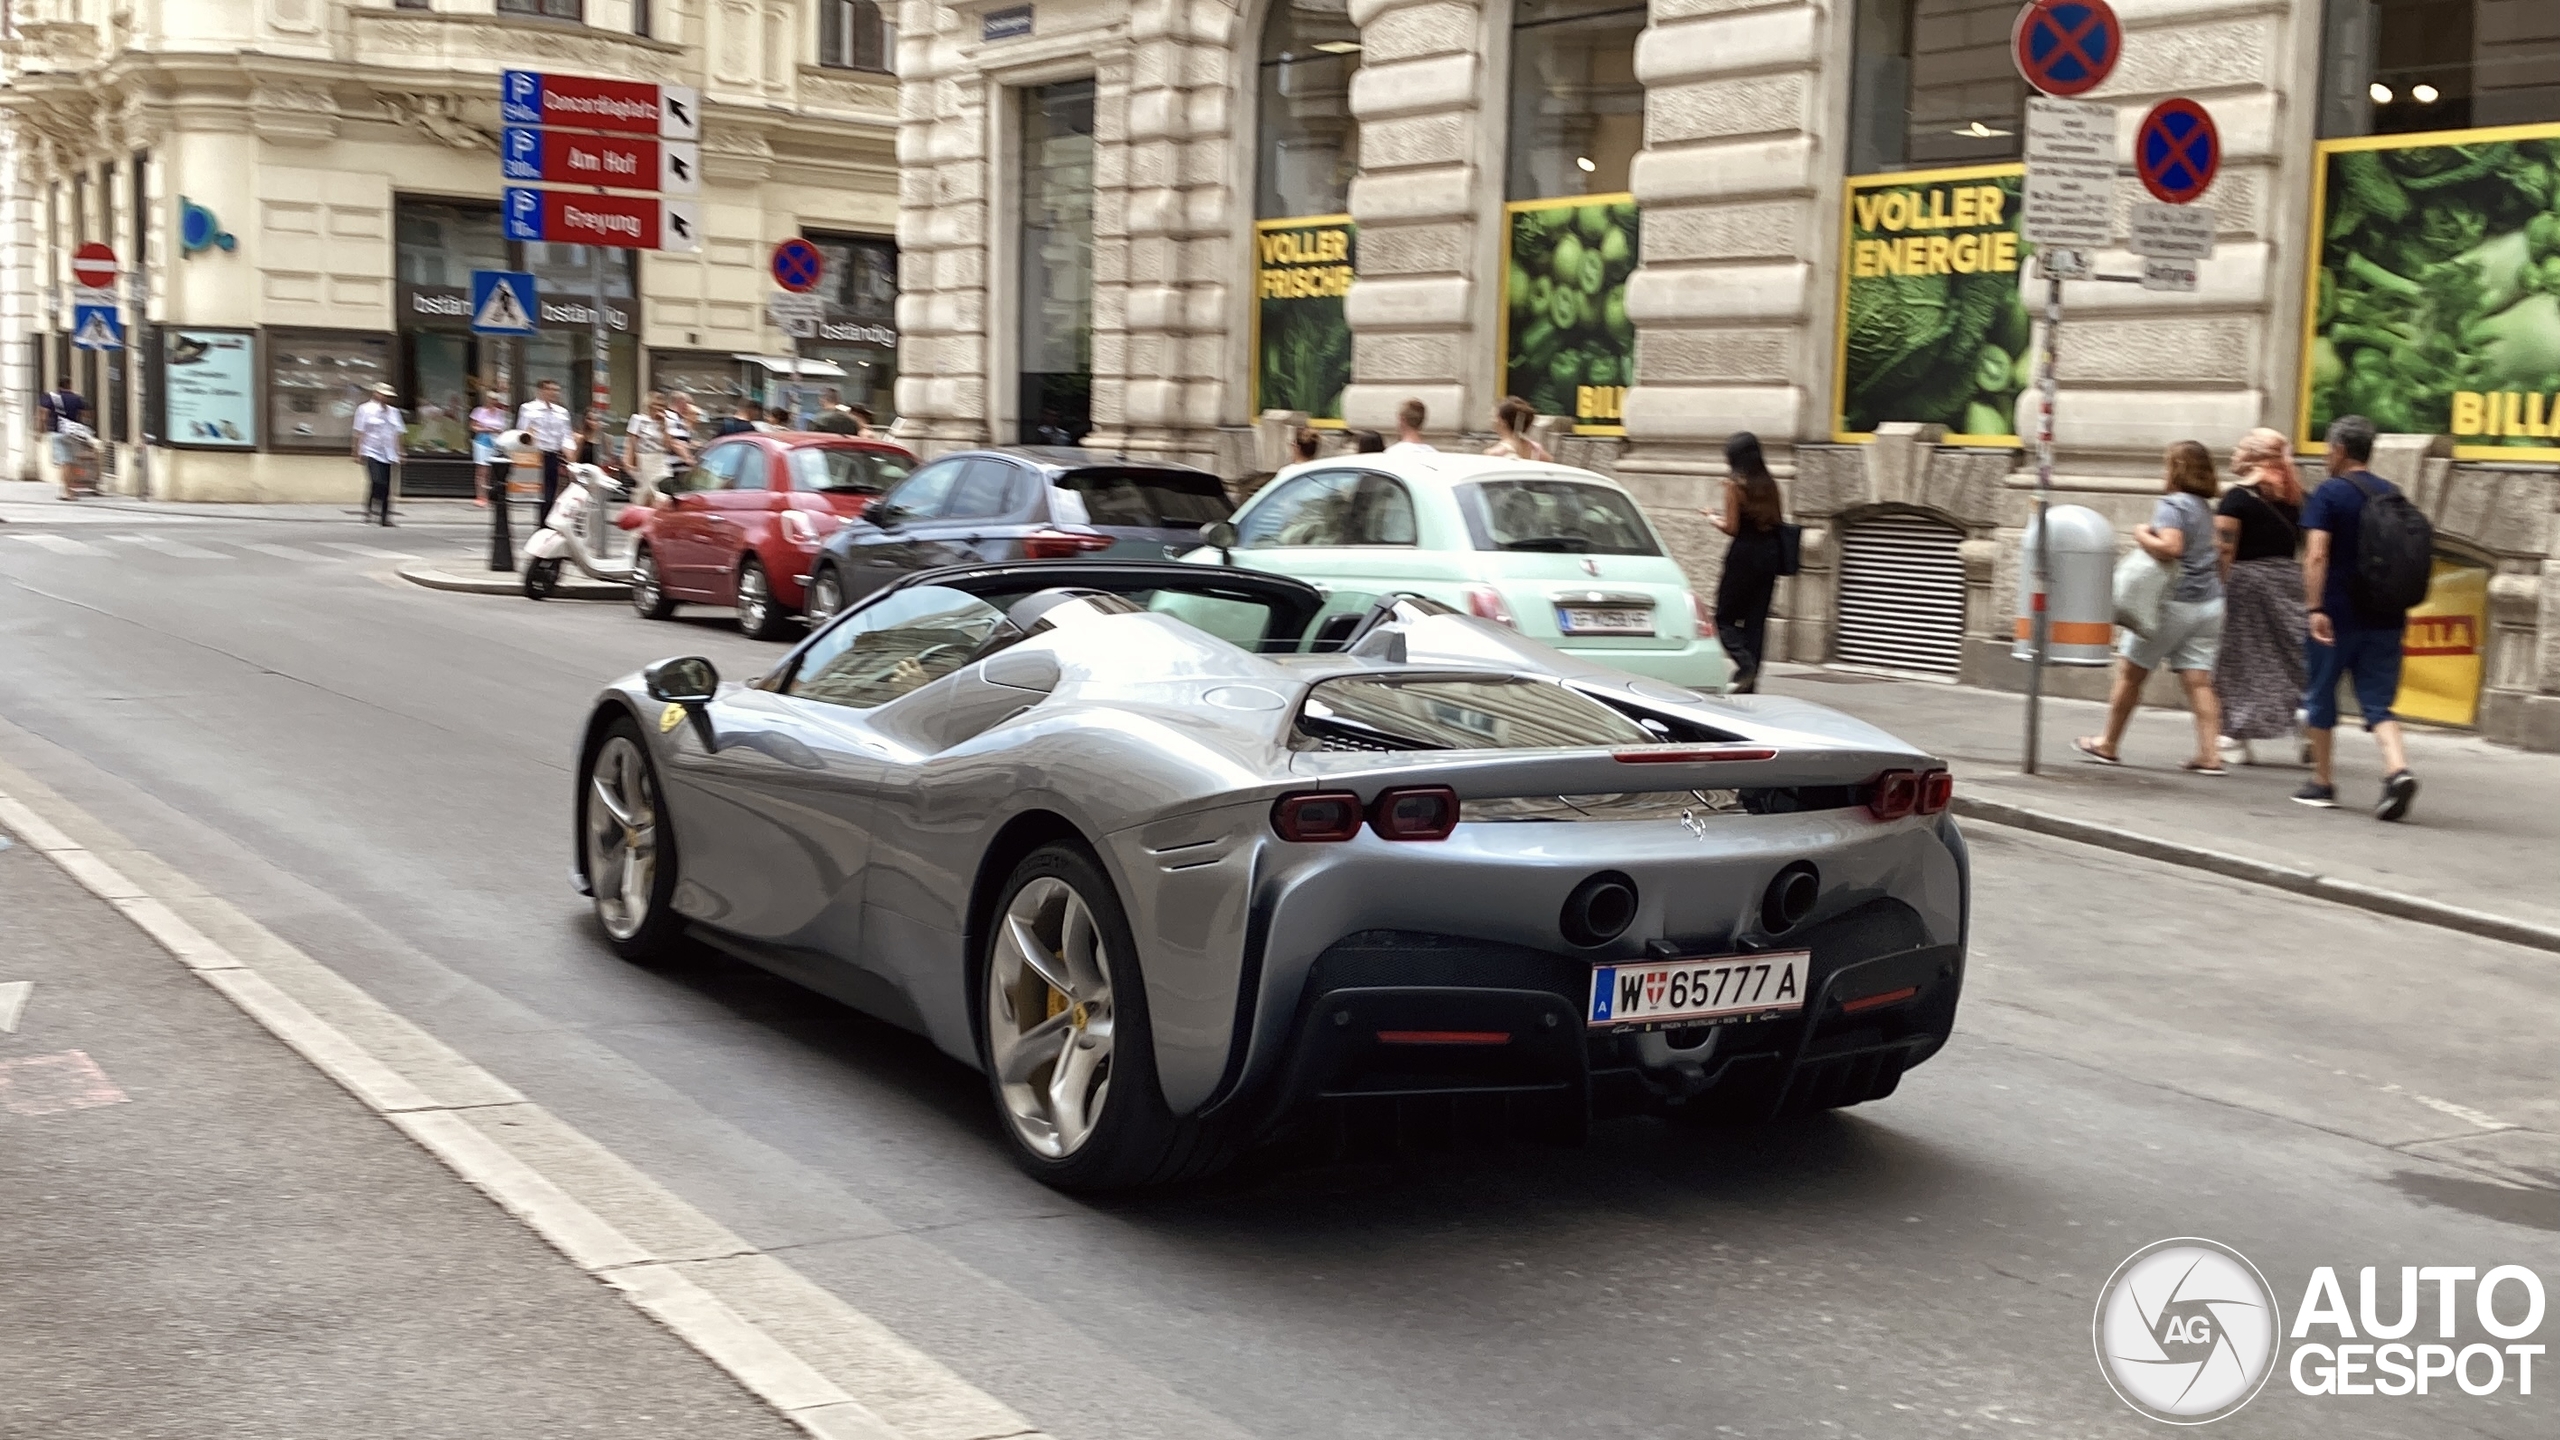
x: 2181, y: 532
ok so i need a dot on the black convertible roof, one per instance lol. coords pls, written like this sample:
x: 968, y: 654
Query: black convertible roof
x: 1118, y: 575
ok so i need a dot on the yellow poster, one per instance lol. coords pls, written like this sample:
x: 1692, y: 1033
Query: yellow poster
x: 2440, y: 653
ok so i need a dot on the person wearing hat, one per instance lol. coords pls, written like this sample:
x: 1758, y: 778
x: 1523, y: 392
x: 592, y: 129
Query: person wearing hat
x: 378, y: 428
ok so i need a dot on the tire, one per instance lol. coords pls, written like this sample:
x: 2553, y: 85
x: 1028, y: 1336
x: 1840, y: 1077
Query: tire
x: 760, y: 616
x: 1115, y: 1131
x: 826, y: 596
x: 541, y: 577
x: 622, y: 824
x: 648, y: 596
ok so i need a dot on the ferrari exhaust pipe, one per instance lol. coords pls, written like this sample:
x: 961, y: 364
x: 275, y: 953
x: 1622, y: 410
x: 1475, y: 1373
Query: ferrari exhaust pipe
x: 1599, y: 910
x: 1790, y: 898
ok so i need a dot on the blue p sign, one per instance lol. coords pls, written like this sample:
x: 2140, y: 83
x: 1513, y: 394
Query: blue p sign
x: 523, y: 154
x: 520, y: 97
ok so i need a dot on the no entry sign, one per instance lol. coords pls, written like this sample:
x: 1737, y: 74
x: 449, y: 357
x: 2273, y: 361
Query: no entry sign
x: 2177, y: 150
x: 2066, y: 47
x: 94, y: 265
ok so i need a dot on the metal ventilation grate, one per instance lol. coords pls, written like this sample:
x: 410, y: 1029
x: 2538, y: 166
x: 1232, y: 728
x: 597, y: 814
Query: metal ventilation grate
x: 1901, y: 594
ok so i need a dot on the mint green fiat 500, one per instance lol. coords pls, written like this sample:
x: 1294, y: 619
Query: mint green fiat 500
x: 1559, y: 554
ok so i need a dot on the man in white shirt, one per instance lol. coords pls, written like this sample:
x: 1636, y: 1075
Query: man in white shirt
x: 1409, y: 418
x: 546, y: 421
x: 377, y: 431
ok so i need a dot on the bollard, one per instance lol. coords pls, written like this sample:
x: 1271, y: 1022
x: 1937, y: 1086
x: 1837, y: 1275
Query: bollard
x: 2080, y: 603
x: 502, y: 546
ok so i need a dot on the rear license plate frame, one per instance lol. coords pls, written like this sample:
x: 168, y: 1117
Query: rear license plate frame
x: 1777, y: 979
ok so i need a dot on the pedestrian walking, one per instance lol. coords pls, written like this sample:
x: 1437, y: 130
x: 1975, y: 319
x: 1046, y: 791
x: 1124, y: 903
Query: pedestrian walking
x: 646, y: 451
x: 377, y: 431
x: 487, y: 420
x: 834, y: 417
x: 1368, y: 442
x: 593, y: 444
x: 548, y: 422
x: 1512, y: 417
x: 741, y: 419
x: 1410, y: 418
x: 2181, y: 533
x: 65, y: 414
x: 1752, y: 515
x: 2258, y: 673
x: 2355, y: 634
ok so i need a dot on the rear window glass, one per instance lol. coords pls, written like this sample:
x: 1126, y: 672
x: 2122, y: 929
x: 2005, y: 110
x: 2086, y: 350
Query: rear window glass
x: 1567, y: 516
x: 1462, y: 713
x: 868, y: 472
x: 1146, y: 499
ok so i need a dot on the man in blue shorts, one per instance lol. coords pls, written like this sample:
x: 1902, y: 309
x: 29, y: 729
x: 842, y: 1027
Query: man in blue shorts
x: 2346, y: 642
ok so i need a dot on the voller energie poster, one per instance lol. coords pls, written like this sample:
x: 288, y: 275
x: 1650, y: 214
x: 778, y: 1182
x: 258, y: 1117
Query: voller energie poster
x: 1933, y: 329
x: 2435, y: 306
x: 1301, y: 342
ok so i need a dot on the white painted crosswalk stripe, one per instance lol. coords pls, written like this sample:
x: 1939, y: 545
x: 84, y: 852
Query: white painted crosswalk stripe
x: 167, y: 546
x: 59, y: 544
x: 283, y: 552
x: 368, y: 551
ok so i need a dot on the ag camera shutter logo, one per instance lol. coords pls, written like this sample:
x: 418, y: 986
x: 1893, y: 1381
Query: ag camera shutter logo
x: 2186, y: 1331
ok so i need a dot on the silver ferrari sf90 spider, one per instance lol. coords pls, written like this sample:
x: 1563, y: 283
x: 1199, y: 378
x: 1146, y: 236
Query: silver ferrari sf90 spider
x: 1180, y: 855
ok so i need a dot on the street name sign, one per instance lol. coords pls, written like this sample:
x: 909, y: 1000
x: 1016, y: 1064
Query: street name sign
x: 2069, y: 192
x: 617, y: 162
x: 2066, y: 47
x: 2168, y: 274
x: 502, y: 302
x: 2176, y: 150
x: 2172, y: 232
x: 622, y: 222
x: 579, y: 102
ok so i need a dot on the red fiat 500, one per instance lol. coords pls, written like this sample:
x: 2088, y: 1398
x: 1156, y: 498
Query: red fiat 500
x: 740, y: 526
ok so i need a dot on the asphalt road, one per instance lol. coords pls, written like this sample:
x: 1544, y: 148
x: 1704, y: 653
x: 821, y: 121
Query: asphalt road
x: 380, y: 774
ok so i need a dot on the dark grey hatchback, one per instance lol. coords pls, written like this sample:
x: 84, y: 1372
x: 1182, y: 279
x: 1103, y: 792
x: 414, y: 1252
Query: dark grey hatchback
x: 1015, y: 502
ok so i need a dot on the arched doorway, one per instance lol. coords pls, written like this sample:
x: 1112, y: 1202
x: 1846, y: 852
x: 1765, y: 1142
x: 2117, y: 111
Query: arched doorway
x: 1901, y: 593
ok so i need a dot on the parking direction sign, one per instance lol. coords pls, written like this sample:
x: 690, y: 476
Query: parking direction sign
x: 2066, y: 47
x: 798, y: 265
x: 621, y: 222
x: 2176, y: 150
x: 580, y: 102
x: 502, y: 302
x: 566, y: 158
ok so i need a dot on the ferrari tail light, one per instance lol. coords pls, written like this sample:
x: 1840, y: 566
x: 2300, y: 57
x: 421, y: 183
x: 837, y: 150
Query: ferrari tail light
x: 1425, y: 812
x: 1062, y: 544
x: 1704, y: 623
x: 1317, y: 815
x: 1894, y: 795
x: 1485, y: 603
x: 1937, y: 787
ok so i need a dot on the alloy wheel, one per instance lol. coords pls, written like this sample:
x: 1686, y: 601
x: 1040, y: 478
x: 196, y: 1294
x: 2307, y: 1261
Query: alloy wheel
x: 622, y: 836
x: 755, y: 599
x: 644, y: 582
x: 1049, y: 1017
x: 826, y: 596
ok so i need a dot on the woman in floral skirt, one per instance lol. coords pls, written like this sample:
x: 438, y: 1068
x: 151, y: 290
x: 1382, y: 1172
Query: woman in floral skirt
x: 2259, y: 673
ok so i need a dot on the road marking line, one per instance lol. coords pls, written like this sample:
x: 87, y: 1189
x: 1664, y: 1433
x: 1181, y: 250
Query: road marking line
x: 13, y: 1003
x: 946, y: 1407
x: 53, y: 1084
x: 2463, y: 1113
x: 166, y: 546
x: 282, y: 552
x: 60, y: 544
x: 370, y: 552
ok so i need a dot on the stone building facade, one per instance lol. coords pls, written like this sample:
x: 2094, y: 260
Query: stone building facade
x: 321, y: 176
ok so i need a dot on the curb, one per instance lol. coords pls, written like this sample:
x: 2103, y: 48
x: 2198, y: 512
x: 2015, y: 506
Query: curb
x: 2261, y: 872
x: 507, y: 582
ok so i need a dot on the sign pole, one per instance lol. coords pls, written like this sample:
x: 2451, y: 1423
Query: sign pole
x: 2042, y: 622
x: 600, y: 358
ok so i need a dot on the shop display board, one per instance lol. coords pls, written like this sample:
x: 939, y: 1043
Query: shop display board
x: 1568, y: 347
x: 315, y: 381
x: 2435, y: 306
x: 1933, y: 327
x: 1302, y: 268
x: 2440, y: 650
x: 209, y: 387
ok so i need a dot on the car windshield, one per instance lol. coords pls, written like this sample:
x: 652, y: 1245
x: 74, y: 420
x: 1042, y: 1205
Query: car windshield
x: 844, y: 468
x: 904, y: 641
x: 1143, y: 498
x: 1569, y: 516
x: 1381, y: 712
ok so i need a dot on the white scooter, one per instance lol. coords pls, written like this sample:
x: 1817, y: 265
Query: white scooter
x: 579, y: 531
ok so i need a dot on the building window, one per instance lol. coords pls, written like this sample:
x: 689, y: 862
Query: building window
x: 2390, y: 67
x: 1055, y: 255
x: 1577, y: 111
x: 1310, y: 143
x: 441, y: 242
x: 855, y: 35
x: 545, y: 9
x: 641, y: 19
x: 1933, y: 84
x: 413, y: 4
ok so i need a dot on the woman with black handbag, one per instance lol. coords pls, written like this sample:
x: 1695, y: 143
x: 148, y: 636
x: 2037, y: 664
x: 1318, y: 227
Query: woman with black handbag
x: 1761, y: 552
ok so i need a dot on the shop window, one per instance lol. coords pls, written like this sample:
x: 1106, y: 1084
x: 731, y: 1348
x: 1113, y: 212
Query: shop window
x: 859, y: 331
x: 545, y: 9
x: 440, y: 242
x: 317, y: 378
x: 1055, y: 257
x: 1577, y: 110
x: 1933, y: 84
x: 2390, y: 67
x: 855, y: 35
x: 1310, y: 144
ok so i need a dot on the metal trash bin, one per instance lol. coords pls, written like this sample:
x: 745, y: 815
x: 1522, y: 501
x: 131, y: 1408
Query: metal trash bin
x: 2081, y: 605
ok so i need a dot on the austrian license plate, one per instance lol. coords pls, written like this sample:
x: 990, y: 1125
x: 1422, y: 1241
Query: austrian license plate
x: 1707, y: 990
x: 1604, y: 620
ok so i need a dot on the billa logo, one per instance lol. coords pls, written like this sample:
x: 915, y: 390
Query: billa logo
x: 2441, y: 635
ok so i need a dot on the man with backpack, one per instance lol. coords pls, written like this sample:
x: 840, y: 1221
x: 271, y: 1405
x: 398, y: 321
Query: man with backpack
x: 2368, y: 556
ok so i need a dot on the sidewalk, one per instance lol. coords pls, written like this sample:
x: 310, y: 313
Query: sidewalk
x: 24, y: 500
x: 206, y: 1236
x: 2484, y: 834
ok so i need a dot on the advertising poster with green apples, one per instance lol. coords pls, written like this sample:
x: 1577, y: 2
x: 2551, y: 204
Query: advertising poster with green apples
x: 1568, y: 347
x: 1302, y: 268
x: 1933, y: 328
x: 2435, y: 306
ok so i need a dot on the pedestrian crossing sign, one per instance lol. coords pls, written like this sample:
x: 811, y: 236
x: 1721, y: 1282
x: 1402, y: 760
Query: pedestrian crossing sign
x: 502, y: 302
x: 95, y: 327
